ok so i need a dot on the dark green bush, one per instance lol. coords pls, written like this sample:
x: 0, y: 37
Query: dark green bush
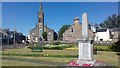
x: 116, y: 46
x: 103, y: 48
x: 55, y: 48
x: 55, y: 43
x: 61, y: 47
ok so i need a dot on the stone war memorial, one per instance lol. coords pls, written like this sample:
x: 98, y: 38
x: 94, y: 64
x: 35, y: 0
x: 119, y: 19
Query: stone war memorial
x: 85, y: 44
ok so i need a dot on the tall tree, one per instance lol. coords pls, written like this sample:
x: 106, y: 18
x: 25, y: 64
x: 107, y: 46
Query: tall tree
x: 119, y: 21
x: 62, y: 30
x: 111, y: 22
x: 44, y: 34
x: 96, y: 24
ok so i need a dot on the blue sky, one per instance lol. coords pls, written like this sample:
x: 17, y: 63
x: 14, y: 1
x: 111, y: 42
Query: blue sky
x: 56, y: 13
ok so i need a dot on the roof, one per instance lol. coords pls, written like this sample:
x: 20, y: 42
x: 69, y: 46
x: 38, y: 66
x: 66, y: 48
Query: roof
x: 114, y: 29
x: 1, y: 31
x: 101, y: 30
x: 76, y: 18
x: 48, y: 27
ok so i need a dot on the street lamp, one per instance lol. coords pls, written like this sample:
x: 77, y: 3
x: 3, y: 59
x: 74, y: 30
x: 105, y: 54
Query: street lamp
x: 14, y: 27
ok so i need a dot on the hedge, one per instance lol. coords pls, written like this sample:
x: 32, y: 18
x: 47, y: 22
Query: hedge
x: 41, y: 55
x: 103, y: 48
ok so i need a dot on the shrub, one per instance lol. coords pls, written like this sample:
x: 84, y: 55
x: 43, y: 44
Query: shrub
x: 55, y: 43
x: 44, y: 34
x: 103, y: 48
x: 116, y: 46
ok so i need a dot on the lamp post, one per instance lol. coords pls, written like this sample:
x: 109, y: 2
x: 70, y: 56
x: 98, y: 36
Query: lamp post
x: 14, y: 27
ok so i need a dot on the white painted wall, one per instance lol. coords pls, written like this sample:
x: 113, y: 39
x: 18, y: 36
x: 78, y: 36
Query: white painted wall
x: 28, y: 36
x: 103, y: 35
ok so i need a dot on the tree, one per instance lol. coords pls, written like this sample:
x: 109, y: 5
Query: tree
x: 62, y: 30
x: 102, y: 25
x: 119, y: 21
x: 110, y: 22
x: 44, y: 34
x: 96, y: 24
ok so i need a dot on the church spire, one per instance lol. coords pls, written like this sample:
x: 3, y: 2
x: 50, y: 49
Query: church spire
x: 40, y: 9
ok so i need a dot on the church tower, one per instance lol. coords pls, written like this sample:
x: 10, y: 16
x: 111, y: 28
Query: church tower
x: 36, y: 33
x: 40, y: 21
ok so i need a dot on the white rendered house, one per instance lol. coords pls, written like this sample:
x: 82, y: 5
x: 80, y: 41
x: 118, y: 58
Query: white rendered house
x: 103, y: 35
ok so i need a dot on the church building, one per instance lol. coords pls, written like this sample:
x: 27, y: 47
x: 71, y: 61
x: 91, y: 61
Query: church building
x: 36, y: 33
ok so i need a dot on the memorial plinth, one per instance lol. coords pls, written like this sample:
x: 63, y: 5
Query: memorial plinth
x: 85, y: 51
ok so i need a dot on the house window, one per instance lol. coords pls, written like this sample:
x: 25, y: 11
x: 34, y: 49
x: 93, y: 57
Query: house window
x: 71, y: 30
x: 101, y: 39
x: 11, y: 36
x: 33, y: 33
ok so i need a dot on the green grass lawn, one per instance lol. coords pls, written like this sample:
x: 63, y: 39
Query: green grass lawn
x: 17, y: 63
x: 53, y: 52
x: 47, y: 59
x: 109, y: 57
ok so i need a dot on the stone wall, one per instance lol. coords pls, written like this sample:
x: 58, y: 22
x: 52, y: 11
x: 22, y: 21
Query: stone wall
x: 72, y: 36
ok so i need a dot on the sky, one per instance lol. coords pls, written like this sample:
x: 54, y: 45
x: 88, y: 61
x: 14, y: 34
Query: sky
x: 56, y: 14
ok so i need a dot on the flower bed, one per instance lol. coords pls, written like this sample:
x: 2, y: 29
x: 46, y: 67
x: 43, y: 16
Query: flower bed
x: 57, y: 47
x: 53, y: 47
x: 74, y: 63
x: 72, y: 48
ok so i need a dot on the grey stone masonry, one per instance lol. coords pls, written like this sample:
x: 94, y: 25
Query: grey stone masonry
x: 84, y: 25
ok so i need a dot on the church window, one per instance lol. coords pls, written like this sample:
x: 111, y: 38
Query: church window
x: 71, y: 30
x: 33, y: 38
x: 40, y: 30
x: 49, y: 33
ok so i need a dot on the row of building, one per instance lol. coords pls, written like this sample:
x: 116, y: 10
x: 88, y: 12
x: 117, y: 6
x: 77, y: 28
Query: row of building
x: 8, y: 36
x: 72, y: 33
x: 99, y: 34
